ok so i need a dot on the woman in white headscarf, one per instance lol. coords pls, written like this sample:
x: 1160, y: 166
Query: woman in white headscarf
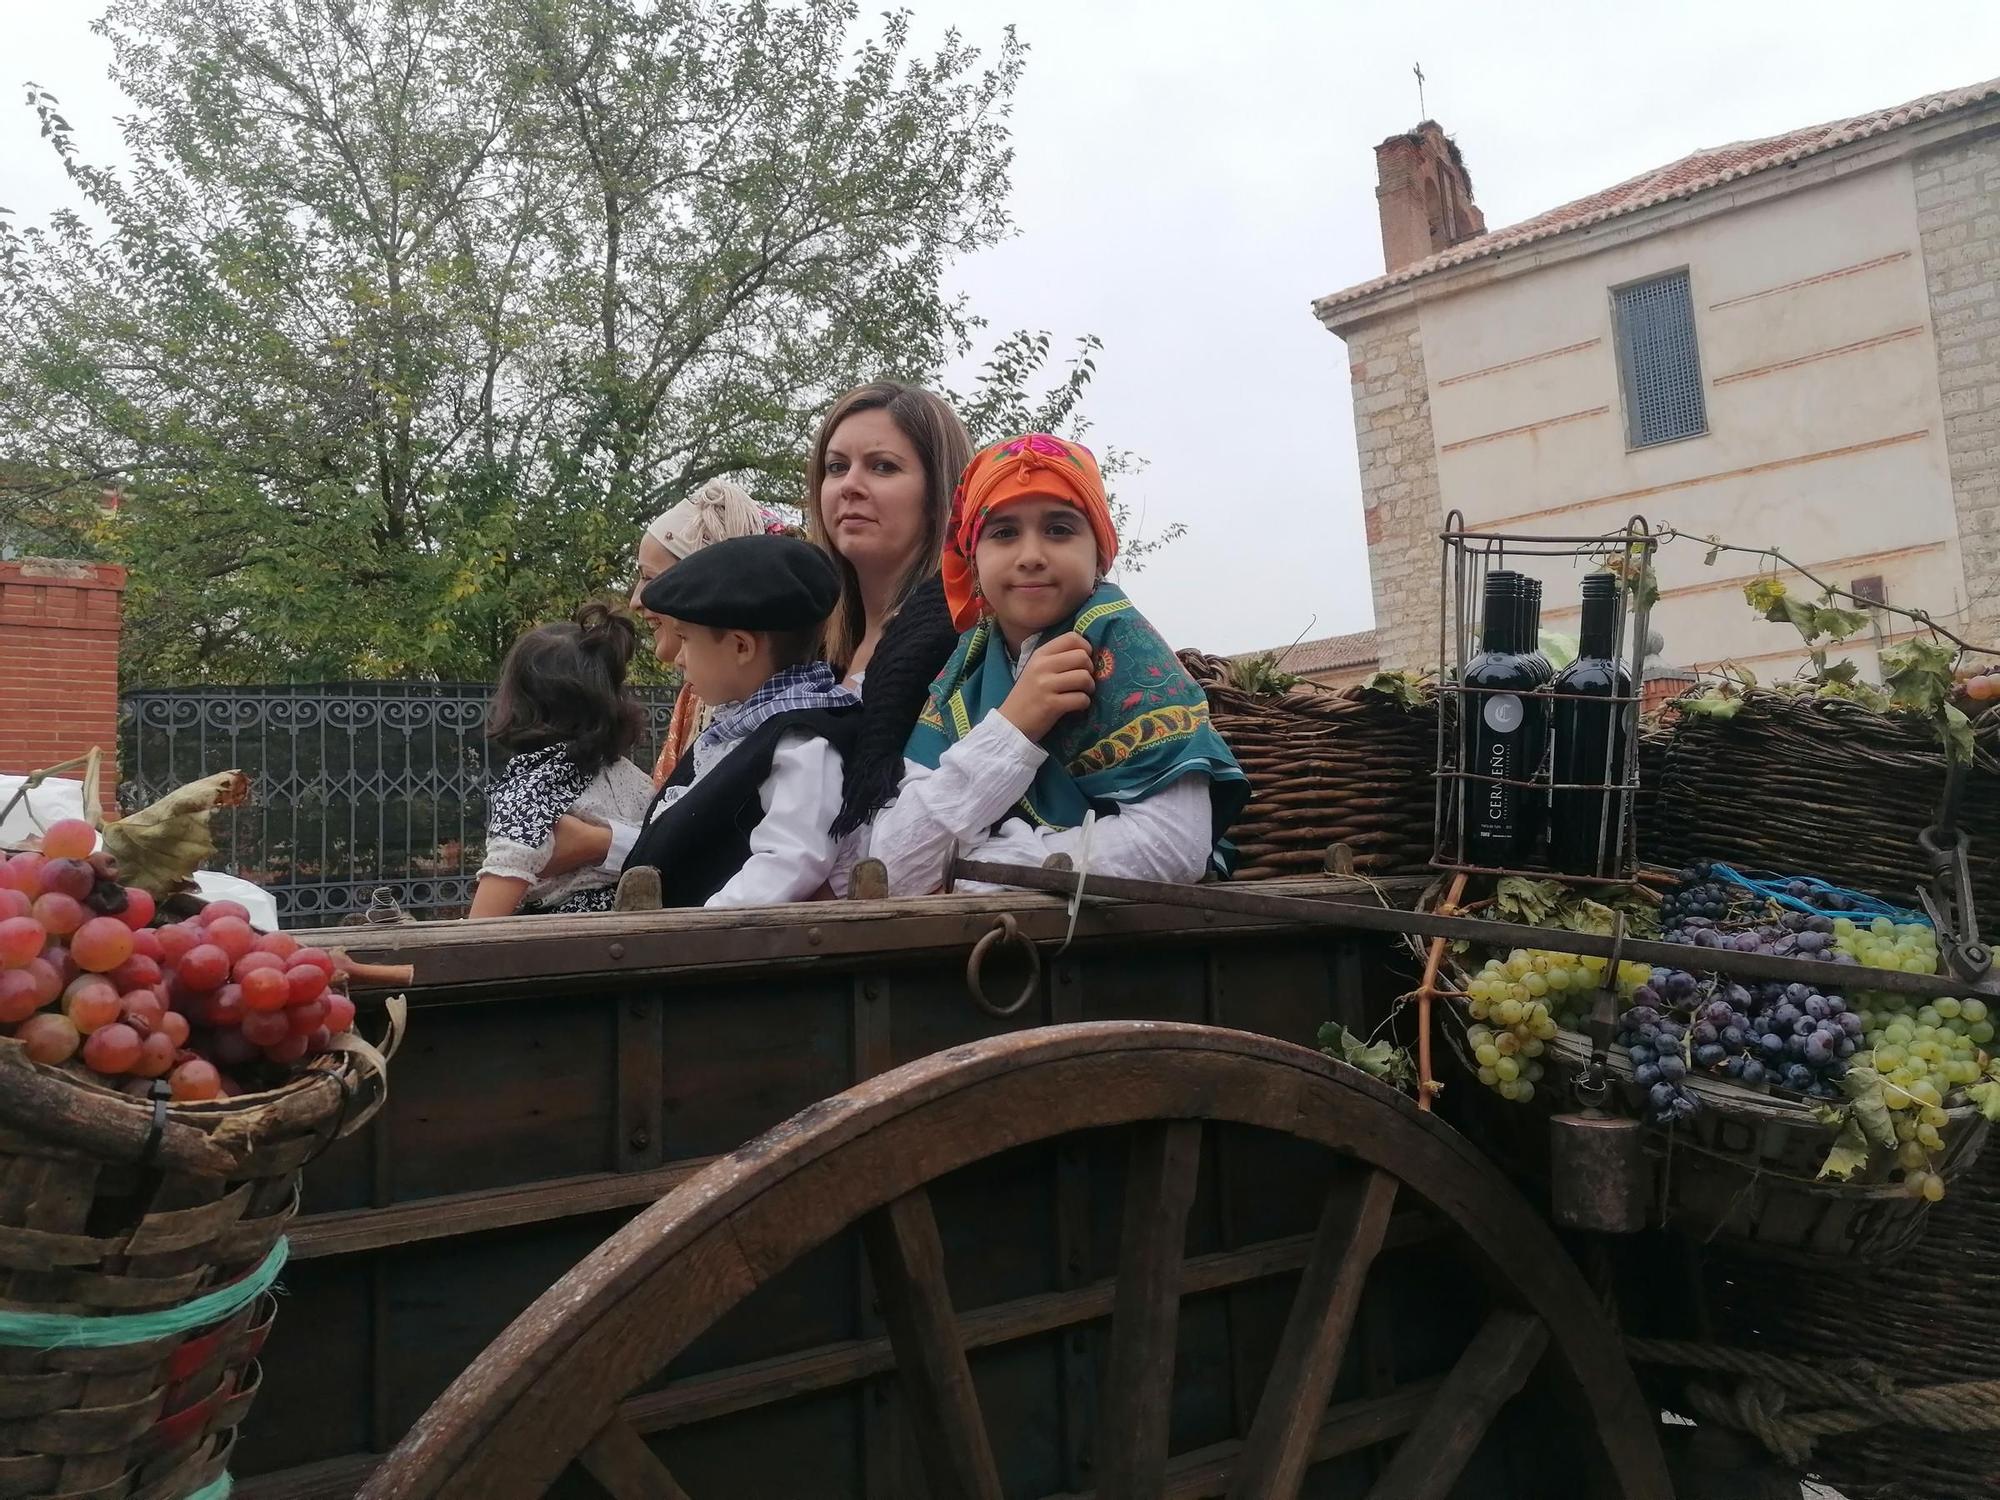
x: 718, y: 510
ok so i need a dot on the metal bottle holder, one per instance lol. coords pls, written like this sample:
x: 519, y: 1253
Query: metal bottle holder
x: 1468, y: 556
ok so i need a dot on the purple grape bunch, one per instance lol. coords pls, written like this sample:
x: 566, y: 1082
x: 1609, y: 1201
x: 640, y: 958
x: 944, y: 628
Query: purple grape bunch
x: 1789, y: 1036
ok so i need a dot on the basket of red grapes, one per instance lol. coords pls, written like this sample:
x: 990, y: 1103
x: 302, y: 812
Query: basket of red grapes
x: 161, y: 1085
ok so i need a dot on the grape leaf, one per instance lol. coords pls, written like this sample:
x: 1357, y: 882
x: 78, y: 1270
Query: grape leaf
x: 1870, y: 1109
x: 1849, y: 1152
x: 1956, y: 731
x: 1716, y: 703
x: 1534, y: 902
x: 1838, y: 624
x: 1918, y: 674
x: 1404, y: 688
x: 1767, y: 596
x: 1842, y: 672
x: 160, y: 847
x: 1381, y: 1060
x: 1987, y: 1096
x: 1714, y: 551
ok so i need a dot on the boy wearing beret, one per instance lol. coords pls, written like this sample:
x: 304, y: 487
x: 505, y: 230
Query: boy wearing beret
x: 743, y: 818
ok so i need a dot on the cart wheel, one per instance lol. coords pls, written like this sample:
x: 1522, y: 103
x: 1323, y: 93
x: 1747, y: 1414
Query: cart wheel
x: 547, y: 1393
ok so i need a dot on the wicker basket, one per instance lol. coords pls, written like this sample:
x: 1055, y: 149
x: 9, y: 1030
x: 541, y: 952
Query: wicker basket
x: 1326, y: 767
x: 1744, y: 1170
x: 1929, y: 1318
x: 1828, y: 785
x: 112, y: 1206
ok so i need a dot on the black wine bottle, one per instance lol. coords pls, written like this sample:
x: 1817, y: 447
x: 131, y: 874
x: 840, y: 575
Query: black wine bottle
x: 1587, y: 808
x: 1535, y: 724
x: 1498, y: 744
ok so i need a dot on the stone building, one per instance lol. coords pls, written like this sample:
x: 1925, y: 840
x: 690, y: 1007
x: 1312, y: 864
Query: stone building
x: 1791, y: 342
x: 1334, y: 661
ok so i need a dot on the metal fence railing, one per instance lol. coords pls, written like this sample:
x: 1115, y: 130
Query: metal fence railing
x: 355, y: 786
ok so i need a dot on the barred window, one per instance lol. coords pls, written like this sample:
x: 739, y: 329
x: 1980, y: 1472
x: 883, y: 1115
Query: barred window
x: 1658, y: 360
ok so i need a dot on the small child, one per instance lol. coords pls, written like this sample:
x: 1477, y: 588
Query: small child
x: 1060, y: 700
x: 564, y: 711
x: 743, y: 819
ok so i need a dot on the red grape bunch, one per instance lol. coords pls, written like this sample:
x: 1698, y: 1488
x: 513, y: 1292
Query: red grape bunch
x: 209, y: 1004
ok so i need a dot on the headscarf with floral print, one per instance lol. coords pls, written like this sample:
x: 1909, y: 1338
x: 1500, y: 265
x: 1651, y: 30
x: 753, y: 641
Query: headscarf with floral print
x: 1032, y: 467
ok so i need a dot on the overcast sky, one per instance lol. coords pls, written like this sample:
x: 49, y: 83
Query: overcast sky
x: 1188, y: 177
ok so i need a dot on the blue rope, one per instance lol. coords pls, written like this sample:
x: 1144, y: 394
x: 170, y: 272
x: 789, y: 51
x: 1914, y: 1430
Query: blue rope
x: 1861, y: 907
x: 62, y: 1330
x: 217, y: 1491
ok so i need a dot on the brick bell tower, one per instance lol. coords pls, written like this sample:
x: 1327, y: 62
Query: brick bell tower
x: 1424, y: 196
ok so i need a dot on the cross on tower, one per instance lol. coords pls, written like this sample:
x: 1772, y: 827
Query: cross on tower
x: 1418, y: 69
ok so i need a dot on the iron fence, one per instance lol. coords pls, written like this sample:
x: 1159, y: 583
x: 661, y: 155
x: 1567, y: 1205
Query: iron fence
x: 355, y: 786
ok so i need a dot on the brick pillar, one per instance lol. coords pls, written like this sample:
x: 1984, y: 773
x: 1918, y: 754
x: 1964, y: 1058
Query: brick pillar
x: 59, y: 625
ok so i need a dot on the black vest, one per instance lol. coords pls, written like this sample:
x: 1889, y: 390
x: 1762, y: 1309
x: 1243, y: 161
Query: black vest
x: 700, y: 842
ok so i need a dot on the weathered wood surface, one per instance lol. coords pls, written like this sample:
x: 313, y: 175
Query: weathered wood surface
x: 511, y: 1424
x: 506, y: 1155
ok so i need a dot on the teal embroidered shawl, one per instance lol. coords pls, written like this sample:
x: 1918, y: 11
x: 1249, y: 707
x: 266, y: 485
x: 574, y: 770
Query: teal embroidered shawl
x: 1147, y: 725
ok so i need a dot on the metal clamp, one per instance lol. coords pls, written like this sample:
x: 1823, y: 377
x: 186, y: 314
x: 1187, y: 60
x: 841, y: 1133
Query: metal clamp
x: 1948, y: 899
x: 1593, y: 1088
x: 1006, y: 930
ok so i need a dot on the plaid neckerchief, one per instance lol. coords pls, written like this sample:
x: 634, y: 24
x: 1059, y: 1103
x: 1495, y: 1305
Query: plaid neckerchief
x: 810, y: 686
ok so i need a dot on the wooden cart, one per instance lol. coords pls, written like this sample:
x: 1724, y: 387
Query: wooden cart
x: 1131, y: 1240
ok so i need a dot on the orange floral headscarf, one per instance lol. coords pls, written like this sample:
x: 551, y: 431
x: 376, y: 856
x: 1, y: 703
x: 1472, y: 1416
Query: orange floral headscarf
x: 1034, y: 467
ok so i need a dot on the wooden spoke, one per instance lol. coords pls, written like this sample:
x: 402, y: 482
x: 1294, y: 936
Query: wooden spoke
x: 1139, y: 1375
x: 1497, y: 1364
x: 619, y: 1459
x: 908, y: 1261
x: 1282, y: 1437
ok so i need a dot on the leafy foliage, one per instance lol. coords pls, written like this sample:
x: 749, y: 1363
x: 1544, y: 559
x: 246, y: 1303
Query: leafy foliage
x: 1383, y: 1060
x: 408, y: 313
x: 1551, y: 904
x: 1406, y: 689
x: 1261, y: 675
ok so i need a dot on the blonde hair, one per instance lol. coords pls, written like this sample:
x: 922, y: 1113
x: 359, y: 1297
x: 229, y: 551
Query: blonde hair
x: 943, y: 448
x: 714, y: 513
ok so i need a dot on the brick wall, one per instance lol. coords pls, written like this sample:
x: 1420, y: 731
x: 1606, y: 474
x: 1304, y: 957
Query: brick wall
x: 1958, y: 216
x: 1399, y: 486
x: 59, y: 624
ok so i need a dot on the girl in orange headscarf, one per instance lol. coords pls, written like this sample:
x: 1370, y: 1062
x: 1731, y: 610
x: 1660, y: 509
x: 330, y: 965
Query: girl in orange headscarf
x: 1061, y: 707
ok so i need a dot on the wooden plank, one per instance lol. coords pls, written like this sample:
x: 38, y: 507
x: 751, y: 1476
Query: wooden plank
x: 351, y: 1231
x: 1493, y: 1368
x: 950, y: 1433
x: 1132, y: 1430
x: 640, y: 1144
x: 1204, y: 1474
x: 886, y: 1463
x: 1279, y: 1448
x: 524, y: 952
x: 1073, y: 1259
x: 619, y: 1459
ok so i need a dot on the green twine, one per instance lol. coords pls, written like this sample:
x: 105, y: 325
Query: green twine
x: 62, y: 1330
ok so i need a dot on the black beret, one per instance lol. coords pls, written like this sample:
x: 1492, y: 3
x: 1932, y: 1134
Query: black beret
x: 748, y: 583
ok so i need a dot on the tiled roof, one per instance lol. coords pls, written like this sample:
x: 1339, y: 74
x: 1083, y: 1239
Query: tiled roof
x: 1327, y: 654
x: 1693, y: 174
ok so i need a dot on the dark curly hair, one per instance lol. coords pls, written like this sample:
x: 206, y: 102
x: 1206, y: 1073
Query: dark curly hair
x: 564, y: 684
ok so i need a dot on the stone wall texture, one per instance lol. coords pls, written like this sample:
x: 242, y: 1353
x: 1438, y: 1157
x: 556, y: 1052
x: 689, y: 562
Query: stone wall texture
x: 1958, y: 216
x: 1399, y: 486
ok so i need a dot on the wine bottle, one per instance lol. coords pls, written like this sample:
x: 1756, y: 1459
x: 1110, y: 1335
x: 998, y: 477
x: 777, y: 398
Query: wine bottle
x: 1589, y: 759
x: 1498, y: 746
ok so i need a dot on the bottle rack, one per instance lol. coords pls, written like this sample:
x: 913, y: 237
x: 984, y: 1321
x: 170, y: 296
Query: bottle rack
x: 1468, y: 557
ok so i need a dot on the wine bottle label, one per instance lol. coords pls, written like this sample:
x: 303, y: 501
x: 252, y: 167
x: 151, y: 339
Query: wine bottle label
x: 1504, y: 712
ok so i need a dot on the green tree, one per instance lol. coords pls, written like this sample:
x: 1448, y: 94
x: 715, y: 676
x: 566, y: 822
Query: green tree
x: 406, y: 313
